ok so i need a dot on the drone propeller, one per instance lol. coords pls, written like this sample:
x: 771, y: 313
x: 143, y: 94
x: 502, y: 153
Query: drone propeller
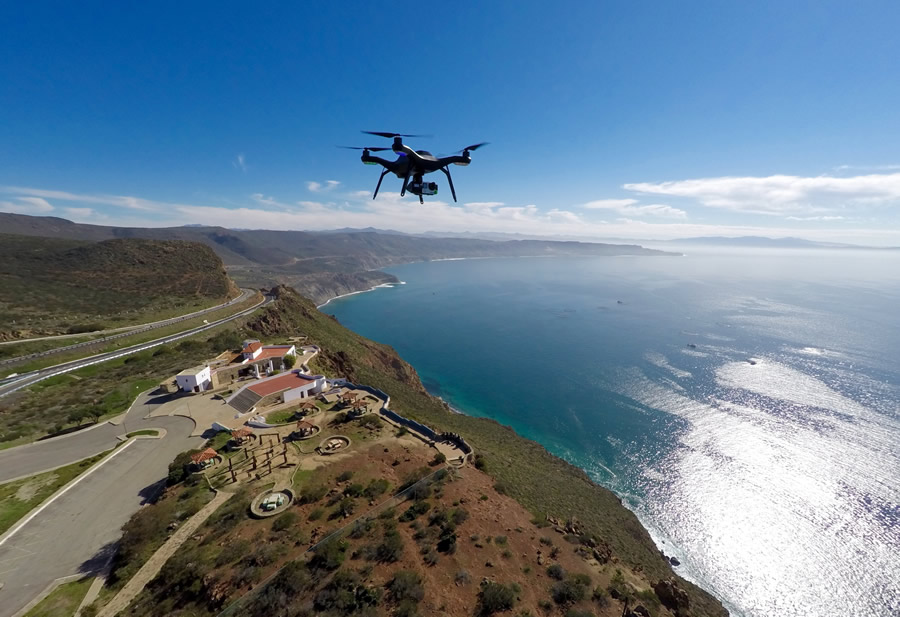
x: 475, y: 147
x: 360, y: 148
x: 391, y: 135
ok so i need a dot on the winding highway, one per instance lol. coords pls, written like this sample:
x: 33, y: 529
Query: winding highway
x: 17, y: 382
x: 121, y: 332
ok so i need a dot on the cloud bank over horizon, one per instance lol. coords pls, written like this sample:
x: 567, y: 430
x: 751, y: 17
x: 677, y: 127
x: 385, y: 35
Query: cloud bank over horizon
x: 857, y: 209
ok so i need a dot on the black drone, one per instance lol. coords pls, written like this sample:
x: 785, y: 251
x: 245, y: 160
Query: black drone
x: 413, y: 164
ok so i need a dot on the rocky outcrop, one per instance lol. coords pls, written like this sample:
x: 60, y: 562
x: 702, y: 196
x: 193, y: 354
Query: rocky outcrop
x: 673, y: 597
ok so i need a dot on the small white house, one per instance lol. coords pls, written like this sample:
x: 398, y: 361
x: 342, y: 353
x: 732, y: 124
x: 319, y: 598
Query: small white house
x: 252, y: 349
x: 195, y: 379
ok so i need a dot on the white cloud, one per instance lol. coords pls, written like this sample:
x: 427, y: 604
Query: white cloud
x: 815, y: 218
x: 483, y: 205
x: 318, y: 187
x: 239, y: 163
x: 780, y: 195
x: 80, y: 213
x: 627, y: 207
x: 609, y: 204
x: 27, y: 205
x: 123, y: 201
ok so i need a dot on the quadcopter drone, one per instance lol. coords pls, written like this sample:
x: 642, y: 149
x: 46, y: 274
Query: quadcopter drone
x: 413, y: 164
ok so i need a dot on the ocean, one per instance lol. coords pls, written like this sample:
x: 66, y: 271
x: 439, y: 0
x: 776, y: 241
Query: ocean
x: 744, y: 404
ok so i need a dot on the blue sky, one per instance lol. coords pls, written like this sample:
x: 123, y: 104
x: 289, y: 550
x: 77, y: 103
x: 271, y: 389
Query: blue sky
x: 606, y: 119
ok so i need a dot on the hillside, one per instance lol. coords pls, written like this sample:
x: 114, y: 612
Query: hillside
x: 519, y: 528
x: 541, y: 482
x: 52, y: 285
x: 310, y: 261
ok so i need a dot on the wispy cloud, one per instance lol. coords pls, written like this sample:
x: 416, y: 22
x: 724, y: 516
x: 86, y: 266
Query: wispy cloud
x: 780, y: 195
x: 815, y: 218
x: 356, y: 209
x: 320, y: 187
x: 628, y: 207
x: 27, y: 205
x: 122, y: 201
x: 239, y: 163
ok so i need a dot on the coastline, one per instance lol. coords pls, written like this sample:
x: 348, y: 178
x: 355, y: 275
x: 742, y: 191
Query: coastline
x: 361, y: 291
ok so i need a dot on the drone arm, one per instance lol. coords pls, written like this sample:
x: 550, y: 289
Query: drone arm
x: 378, y: 186
x: 450, y: 182
x: 368, y: 158
x: 456, y: 160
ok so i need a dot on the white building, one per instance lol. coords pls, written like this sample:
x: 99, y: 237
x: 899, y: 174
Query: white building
x: 194, y: 379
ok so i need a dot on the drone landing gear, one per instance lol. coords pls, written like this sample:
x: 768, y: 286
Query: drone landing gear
x: 450, y: 182
x: 378, y: 186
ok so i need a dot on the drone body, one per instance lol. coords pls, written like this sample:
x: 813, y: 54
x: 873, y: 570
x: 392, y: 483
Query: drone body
x: 412, y: 165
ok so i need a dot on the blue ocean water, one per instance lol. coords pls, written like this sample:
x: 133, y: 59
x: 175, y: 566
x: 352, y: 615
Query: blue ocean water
x: 745, y: 405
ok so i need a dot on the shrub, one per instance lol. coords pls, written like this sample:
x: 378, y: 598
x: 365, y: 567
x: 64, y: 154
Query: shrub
x: 414, y: 511
x: 361, y: 528
x: 556, y: 571
x: 371, y: 421
x: 406, y: 585
x: 376, y: 488
x: 284, y: 521
x: 402, y: 431
x: 391, y: 547
x: 354, y: 490
x: 601, y: 597
x: 345, y: 476
x: 569, y: 591
x: 462, y: 577
x: 430, y: 558
x: 546, y: 541
x: 439, y: 459
x: 316, y: 514
x: 231, y: 552
x: 312, y: 494
x: 495, y: 598
x: 578, y: 613
x: 500, y: 540
x: 329, y: 555
x: 289, y: 362
x: 480, y: 462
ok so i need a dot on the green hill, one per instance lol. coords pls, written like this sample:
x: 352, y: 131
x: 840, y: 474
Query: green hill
x: 54, y: 285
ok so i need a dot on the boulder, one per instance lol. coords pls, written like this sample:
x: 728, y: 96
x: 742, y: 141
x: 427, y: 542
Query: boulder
x: 672, y: 596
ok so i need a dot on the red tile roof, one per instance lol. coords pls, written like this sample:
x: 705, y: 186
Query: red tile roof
x: 204, y: 456
x: 287, y: 381
x: 252, y: 347
x: 271, y: 352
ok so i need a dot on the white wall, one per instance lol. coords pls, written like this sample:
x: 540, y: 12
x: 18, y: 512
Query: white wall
x: 189, y: 382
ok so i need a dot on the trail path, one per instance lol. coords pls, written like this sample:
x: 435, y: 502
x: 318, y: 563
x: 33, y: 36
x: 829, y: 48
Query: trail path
x: 150, y: 569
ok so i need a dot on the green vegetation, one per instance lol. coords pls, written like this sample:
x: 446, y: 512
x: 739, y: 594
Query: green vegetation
x: 20, y: 497
x: 103, y: 390
x: 55, y: 286
x: 62, y: 601
x: 495, y: 598
x: 149, y: 527
x: 146, y: 431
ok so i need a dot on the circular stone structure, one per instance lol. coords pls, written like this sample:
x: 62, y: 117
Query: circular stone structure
x: 258, y: 507
x: 334, y: 444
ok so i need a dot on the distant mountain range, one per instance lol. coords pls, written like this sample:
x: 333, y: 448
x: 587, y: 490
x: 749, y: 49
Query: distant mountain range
x: 319, y: 264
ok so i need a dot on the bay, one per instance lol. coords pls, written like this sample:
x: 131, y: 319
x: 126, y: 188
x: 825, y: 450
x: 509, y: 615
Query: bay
x: 745, y: 405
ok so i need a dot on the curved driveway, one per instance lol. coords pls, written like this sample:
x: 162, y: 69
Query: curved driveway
x: 76, y: 532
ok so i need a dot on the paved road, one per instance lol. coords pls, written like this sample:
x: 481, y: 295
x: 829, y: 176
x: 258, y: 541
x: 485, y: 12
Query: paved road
x: 52, y: 453
x: 76, y: 532
x: 128, y: 330
x: 10, y: 385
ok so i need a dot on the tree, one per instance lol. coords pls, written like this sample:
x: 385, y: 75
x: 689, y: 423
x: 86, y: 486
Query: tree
x: 290, y: 361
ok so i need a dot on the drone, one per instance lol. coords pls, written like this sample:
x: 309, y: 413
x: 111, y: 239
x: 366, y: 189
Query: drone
x: 413, y: 164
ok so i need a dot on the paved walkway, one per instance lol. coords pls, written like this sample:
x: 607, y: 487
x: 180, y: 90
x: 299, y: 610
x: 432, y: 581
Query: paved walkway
x: 150, y: 569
